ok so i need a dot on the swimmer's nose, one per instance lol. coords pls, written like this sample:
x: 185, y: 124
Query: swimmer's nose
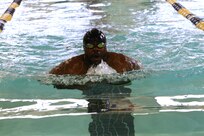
x: 96, y: 49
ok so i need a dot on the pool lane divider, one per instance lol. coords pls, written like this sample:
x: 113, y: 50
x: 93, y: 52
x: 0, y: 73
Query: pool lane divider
x: 8, y: 14
x: 198, y: 22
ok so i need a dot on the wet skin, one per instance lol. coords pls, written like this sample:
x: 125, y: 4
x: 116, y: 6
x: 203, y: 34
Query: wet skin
x: 80, y: 64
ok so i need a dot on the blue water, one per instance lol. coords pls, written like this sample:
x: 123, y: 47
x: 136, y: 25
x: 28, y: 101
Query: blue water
x: 165, y: 98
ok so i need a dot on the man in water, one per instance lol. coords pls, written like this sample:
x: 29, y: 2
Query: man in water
x: 95, y: 53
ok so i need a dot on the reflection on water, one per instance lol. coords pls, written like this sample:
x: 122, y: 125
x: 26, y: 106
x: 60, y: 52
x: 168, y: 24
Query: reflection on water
x: 38, y: 108
x: 184, y: 103
x: 108, y: 105
x: 115, y: 124
x: 110, y: 109
x: 103, y: 99
x: 113, y: 107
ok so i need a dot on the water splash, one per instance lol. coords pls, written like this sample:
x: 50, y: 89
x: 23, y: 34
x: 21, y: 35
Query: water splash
x: 102, y: 68
x: 114, y: 78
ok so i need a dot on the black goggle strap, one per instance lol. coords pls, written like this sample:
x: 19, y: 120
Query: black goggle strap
x: 8, y: 14
x: 199, y: 23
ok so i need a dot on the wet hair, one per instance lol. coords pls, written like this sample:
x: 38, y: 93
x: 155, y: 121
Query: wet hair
x: 94, y: 36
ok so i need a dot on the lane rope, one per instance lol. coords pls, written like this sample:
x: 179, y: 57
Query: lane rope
x: 198, y: 22
x: 8, y: 14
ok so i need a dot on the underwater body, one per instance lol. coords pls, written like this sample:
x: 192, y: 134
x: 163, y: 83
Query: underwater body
x: 164, y: 98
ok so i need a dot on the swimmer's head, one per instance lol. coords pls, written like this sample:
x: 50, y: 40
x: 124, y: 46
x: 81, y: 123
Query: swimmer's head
x: 94, y: 36
x: 94, y: 43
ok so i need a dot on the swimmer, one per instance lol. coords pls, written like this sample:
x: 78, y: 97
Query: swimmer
x: 95, y: 53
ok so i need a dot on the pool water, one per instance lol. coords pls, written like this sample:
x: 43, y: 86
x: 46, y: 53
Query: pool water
x: 165, y: 98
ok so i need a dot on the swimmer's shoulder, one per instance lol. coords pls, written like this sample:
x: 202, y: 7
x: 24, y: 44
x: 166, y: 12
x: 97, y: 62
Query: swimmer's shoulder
x: 115, y: 55
x: 73, y: 60
x: 122, y: 63
x: 119, y: 57
x: 73, y: 66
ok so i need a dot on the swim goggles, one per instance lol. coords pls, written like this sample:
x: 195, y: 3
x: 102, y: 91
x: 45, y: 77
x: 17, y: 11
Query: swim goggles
x: 91, y: 46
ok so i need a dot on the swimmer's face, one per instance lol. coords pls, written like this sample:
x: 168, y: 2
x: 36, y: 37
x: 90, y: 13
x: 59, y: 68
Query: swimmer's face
x: 95, y: 52
x: 94, y: 43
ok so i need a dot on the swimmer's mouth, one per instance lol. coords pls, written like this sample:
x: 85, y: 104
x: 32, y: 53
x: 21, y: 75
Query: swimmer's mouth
x: 96, y: 58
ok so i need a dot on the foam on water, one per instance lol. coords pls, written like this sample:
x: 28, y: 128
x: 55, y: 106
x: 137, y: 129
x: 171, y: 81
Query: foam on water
x: 114, y: 78
x: 101, y: 69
